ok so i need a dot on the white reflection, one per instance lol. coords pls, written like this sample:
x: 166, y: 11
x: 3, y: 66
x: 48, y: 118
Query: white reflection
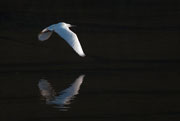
x: 46, y: 90
x: 62, y: 100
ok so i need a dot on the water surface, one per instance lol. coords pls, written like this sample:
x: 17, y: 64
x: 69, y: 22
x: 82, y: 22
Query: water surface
x: 94, y: 95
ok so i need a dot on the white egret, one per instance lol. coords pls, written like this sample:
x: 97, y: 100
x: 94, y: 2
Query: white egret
x: 62, y: 29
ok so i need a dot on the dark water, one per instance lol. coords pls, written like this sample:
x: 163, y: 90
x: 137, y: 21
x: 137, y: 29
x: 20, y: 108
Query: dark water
x: 94, y: 95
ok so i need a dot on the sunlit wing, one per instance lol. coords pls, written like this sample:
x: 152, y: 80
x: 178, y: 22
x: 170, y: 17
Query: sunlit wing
x: 71, y: 38
x: 44, y: 34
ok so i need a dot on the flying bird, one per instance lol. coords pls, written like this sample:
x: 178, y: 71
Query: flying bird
x: 62, y: 29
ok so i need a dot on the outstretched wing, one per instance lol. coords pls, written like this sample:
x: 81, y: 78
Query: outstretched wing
x: 71, y: 38
x: 44, y: 34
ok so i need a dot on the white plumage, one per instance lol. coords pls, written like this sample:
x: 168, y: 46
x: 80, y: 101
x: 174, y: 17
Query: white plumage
x: 62, y: 29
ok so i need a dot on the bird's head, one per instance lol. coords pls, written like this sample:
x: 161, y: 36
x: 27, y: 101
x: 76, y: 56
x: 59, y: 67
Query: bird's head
x: 66, y: 24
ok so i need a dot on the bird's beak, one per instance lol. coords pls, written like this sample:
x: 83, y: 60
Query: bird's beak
x: 73, y: 26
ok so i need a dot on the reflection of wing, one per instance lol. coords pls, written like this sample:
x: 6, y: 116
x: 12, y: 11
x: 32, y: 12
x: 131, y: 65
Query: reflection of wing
x: 67, y: 94
x: 44, y: 34
x: 46, y: 90
x: 71, y: 38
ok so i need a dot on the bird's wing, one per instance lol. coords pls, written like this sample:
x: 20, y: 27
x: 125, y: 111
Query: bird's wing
x: 44, y: 34
x: 71, y: 38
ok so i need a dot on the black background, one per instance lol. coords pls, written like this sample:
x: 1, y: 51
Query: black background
x: 112, y: 31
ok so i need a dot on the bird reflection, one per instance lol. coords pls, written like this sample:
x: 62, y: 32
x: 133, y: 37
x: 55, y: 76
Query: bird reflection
x: 63, y: 98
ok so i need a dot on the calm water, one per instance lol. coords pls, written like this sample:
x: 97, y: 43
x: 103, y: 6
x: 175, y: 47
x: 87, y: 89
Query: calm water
x: 96, y: 95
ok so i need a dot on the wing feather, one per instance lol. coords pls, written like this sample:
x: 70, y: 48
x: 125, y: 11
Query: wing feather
x: 44, y: 34
x: 71, y: 38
